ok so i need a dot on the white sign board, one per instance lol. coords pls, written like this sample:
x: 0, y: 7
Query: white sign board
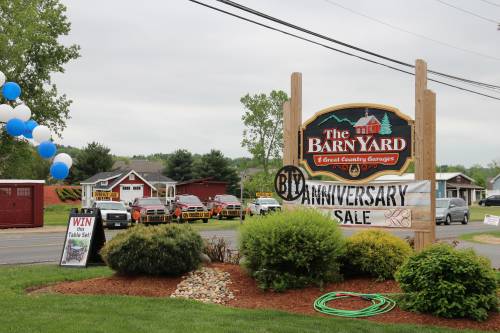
x: 78, y: 241
x: 492, y: 220
x: 387, y: 204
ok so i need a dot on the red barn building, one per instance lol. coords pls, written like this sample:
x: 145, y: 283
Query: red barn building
x: 125, y: 185
x: 204, y: 189
x: 21, y: 203
x: 367, y: 125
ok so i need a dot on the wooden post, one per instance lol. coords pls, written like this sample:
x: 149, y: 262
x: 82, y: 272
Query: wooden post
x: 425, y: 150
x: 295, y: 117
x: 292, y: 121
x: 287, y: 134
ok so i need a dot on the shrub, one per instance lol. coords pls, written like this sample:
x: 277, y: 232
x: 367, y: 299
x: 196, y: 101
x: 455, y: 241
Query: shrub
x: 159, y: 250
x: 375, y: 253
x: 292, y: 249
x: 448, y: 283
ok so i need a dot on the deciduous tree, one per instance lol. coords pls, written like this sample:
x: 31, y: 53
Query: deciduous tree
x: 263, y: 119
x: 30, y: 52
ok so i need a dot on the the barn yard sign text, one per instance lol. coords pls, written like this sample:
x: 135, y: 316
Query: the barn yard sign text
x: 357, y: 142
x: 375, y: 204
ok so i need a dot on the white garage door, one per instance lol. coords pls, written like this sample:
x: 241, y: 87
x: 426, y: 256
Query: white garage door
x: 129, y: 192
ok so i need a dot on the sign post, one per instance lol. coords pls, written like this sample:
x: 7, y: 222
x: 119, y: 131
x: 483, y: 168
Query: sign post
x: 425, y: 152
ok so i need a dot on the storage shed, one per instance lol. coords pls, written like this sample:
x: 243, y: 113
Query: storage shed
x: 21, y: 203
x: 204, y: 188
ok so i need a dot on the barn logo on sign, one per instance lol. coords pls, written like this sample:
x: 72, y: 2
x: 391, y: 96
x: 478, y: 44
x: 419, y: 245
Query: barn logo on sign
x: 357, y: 142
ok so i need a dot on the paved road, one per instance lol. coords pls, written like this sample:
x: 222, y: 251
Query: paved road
x: 29, y: 247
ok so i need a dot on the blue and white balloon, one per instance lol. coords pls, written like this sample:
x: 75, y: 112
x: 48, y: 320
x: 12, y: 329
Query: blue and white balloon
x: 59, y: 170
x: 30, y: 125
x: 64, y: 158
x: 6, y: 113
x: 15, y: 127
x: 11, y: 91
x: 22, y: 112
x: 47, y: 149
x: 41, y: 133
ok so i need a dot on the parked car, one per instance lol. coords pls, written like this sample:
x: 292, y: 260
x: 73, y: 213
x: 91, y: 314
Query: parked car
x: 188, y: 207
x: 151, y: 211
x: 262, y: 206
x: 452, y: 210
x: 492, y: 200
x: 225, y: 205
x: 114, y: 213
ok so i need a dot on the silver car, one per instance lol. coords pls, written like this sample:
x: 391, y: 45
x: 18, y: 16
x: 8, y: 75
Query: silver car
x: 452, y: 210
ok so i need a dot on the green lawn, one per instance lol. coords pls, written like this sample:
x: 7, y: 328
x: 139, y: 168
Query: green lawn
x: 470, y: 237
x: 57, y: 215
x: 63, y: 313
x: 477, y: 212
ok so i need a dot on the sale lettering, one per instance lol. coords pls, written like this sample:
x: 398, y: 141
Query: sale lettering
x: 376, y: 204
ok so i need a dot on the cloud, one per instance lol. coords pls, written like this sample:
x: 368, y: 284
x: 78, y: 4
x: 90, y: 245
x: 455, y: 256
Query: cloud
x: 165, y: 75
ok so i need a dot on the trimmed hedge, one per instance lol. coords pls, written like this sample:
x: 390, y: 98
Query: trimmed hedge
x: 449, y: 283
x: 292, y: 249
x: 155, y: 250
x: 375, y: 253
x: 68, y: 193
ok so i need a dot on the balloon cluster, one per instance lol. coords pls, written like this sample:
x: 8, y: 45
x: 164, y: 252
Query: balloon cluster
x: 18, y: 123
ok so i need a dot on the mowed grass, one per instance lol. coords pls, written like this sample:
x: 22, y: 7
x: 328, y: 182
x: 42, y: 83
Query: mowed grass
x: 87, y: 314
x: 470, y: 236
x: 57, y: 215
x: 477, y: 212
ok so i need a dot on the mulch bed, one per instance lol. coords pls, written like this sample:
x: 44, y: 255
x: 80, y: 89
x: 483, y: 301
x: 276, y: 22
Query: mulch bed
x: 248, y: 295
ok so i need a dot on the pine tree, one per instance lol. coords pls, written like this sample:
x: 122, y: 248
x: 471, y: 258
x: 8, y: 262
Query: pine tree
x: 386, y: 127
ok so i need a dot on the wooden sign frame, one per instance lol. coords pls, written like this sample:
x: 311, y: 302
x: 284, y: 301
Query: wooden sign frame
x: 424, y: 152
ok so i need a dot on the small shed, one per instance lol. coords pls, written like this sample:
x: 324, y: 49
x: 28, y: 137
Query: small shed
x: 21, y: 203
x: 204, y: 188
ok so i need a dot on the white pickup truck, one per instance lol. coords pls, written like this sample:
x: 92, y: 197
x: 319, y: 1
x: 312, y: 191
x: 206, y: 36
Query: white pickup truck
x: 114, y: 213
x: 262, y: 206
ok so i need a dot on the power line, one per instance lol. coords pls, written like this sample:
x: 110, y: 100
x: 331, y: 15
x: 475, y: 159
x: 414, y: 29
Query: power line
x: 335, y: 49
x: 396, y: 61
x: 468, y: 12
x: 490, y: 3
x: 395, y: 27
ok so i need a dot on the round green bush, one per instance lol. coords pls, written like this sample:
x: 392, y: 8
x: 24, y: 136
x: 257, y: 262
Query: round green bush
x: 448, y: 283
x: 375, y: 253
x: 292, y: 249
x: 155, y: 250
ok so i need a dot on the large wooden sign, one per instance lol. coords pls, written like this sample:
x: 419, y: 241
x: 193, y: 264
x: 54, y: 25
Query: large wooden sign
x: 357, y: 142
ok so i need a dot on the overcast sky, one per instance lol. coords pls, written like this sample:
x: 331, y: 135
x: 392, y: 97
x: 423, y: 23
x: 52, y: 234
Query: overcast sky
x: 156, y: 76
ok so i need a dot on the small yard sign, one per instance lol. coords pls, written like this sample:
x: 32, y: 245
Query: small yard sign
x: 492, y: 220
x: 84, y: 238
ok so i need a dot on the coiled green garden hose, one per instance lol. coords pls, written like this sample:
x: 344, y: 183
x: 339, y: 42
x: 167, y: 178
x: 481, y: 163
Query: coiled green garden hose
x: 380, y: 304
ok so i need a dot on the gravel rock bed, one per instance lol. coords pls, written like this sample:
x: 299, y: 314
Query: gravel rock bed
x: 208, y: 285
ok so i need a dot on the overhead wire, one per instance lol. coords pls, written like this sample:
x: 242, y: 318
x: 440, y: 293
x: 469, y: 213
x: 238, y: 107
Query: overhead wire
x: 490, y: 3
x: 398, y: 28
x: 318, y: 35
x: 335, y: 49
x: 468, y: 12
